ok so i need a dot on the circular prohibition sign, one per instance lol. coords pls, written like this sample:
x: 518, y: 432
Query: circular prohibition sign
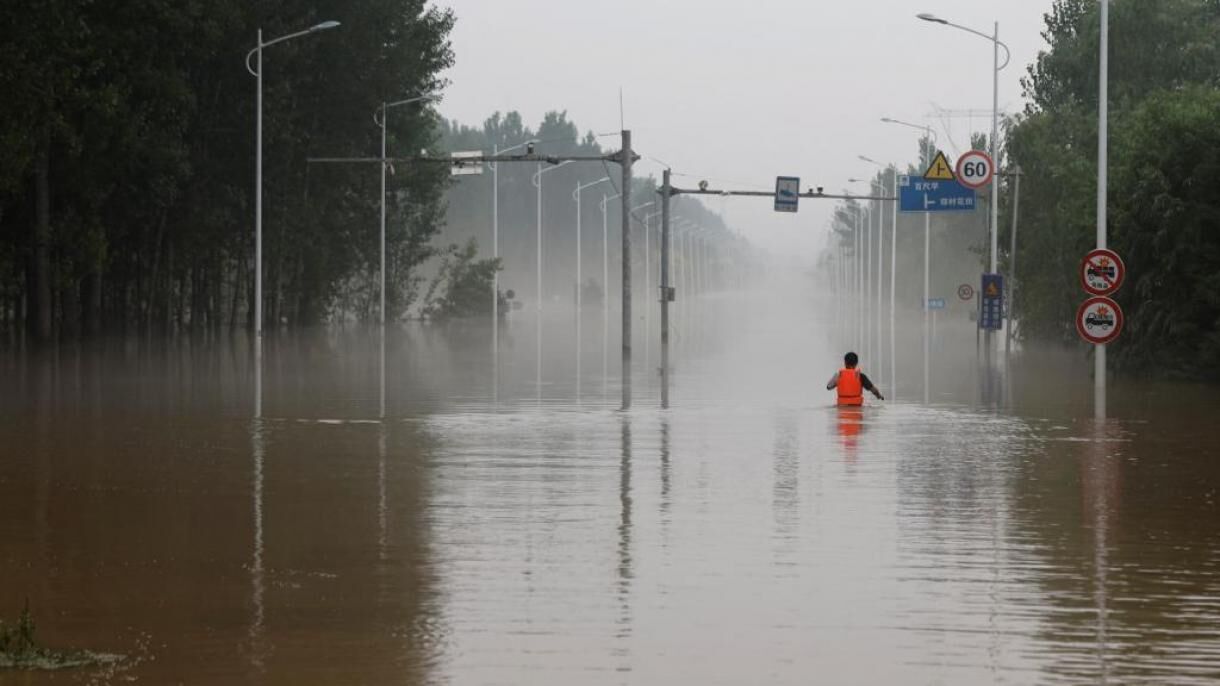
x: 975, y: 169
x: 965, y: 291
x: 1102, y: 272
x: 1099, y: 320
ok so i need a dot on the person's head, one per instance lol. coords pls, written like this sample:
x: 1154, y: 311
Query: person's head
x: 851, y: 360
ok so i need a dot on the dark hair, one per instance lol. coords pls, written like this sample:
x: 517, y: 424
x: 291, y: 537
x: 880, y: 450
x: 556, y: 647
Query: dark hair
x: 851, y: 359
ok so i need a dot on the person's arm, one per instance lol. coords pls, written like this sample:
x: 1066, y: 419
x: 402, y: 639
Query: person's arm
x: 868, y: 386
x: 834, y: 381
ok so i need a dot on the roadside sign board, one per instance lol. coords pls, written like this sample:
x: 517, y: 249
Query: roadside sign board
x: 991, y: 314
x: 787, y: 193
x: 975, y: 169
x: 940, y: 169
x: 465, y: 168
x: 921, y: 195
x: 1102, y: 272
x: 1099, y: 320
x: 965, y: 292
x: 936, y: 303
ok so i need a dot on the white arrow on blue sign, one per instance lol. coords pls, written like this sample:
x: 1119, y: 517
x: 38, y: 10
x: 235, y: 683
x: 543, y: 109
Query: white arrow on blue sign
x: 916, y: 194
x: 787, y: 193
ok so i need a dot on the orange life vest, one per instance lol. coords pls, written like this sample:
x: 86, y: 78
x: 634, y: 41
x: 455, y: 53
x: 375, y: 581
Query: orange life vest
x: 850, y: 387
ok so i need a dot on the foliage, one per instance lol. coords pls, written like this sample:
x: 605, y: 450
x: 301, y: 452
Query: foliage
x: 467, y: 283
x: 1164, y: 178
x: 20, y: 650
x: 127, y: 140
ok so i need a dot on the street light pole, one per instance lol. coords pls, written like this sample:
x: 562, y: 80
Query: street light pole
x: 382, y: 121
x: 606, y: 294
x: 538, y: 272
x: 993, y: 263
x: 1103, y: 124
x: 929, y: 142
x: 580, y: 273
x: 258, y: 163
x: 495, y: 245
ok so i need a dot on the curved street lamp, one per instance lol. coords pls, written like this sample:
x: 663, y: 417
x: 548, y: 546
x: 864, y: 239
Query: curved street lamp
x: 257, y: 71
x: 995, y: 125
x: 379, y: 117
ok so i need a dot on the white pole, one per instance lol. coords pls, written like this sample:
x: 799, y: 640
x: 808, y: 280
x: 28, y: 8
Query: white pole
x: 995, y: 147
x: 859, y: 267
x: 381, y: 307
x: 893, y: 283
x: 538, y: 287
x: 927, y: 247
x: 995, y: 160
x: 1103, y: 114
x: 880, y: 347
x: 647, y: 293
x: 495, y: 251
x: 579, y: 294
x: 605, y: 297
x: 258, y: 203
x: 867, y: 227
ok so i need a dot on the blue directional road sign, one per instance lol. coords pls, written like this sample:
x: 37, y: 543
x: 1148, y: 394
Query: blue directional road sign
x: 916, y: 194
x: 991, y: 315
x: 936, y: 303
x: 787, y: 193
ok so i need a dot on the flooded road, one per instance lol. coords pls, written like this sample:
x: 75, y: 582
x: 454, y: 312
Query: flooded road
x: 522, y: 532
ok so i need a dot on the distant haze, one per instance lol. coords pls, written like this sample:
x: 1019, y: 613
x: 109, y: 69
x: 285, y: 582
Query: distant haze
x: 738, y: 93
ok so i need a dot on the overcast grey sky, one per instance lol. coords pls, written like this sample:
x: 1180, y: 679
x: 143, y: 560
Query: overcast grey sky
x: 739, y: 92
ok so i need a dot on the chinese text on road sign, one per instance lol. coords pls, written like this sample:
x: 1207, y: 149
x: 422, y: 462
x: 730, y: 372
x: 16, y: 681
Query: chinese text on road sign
x: 920, y: 195
x: 991, y: 314
x: 1102, y: 272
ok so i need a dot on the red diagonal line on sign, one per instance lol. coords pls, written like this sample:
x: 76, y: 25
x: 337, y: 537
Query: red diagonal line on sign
x: 1102, y: 274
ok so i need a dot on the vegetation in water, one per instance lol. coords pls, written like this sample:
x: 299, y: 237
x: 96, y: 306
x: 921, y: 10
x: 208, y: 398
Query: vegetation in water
x: 20, y: 650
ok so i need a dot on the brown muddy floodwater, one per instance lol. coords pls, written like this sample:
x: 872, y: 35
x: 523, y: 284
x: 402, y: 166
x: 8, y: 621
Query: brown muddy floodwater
x: 517, y: 533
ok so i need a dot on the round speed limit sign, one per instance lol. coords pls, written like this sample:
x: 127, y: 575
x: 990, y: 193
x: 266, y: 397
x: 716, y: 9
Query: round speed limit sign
x: 974, y: 169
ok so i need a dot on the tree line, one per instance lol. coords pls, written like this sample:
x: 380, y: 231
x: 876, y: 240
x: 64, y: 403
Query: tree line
x: 1163, y: 187
x: 127, y: 152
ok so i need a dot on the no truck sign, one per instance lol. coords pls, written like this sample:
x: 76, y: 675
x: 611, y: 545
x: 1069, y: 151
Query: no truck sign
x: 1102, y: 272
x: 1099, y: 320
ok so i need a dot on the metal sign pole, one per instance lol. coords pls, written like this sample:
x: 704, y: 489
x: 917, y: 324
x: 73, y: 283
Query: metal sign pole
x: 1103, y: 111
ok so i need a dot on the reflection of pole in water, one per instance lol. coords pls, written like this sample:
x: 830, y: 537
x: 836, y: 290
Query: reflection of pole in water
x: 382, y: 429
x: 1101, y: 494
x: 381, y: 375
x: 665, y: 480
x: 257, y: 583
x: 624, y: 535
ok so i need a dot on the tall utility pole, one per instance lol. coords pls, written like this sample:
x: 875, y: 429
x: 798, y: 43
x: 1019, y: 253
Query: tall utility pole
x: 1103, y: 115
x: 627, y: 158
x: 665, y: 193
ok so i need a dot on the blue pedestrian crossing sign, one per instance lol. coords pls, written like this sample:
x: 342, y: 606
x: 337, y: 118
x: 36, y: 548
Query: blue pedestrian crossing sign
x: 991, y: 304
x: 917, y: 194
x: 787, y: 193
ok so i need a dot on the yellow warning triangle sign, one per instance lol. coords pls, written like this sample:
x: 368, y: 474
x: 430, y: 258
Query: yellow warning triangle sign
x: 992, y: 291
x: 939, y: 170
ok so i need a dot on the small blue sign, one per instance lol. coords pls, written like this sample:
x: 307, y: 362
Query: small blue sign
x: 991, y: 304
x: 916, y: 194
x: 787, y: 193
x: 936, y: 303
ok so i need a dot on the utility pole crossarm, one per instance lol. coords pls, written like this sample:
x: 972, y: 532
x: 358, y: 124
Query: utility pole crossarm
x: 770, y: 194
x: 479, y: 159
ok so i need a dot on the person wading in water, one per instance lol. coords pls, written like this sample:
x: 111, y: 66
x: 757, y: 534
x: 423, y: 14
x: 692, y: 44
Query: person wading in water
x: 851, y: 383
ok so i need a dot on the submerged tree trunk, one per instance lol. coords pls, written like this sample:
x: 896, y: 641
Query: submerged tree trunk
x: 40, y: 267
